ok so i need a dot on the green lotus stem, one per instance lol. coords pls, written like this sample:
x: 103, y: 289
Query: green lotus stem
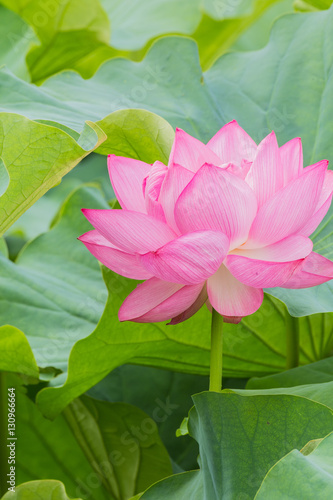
x: 292, y: 340
x: 3, y: 434
x: 215, y: 383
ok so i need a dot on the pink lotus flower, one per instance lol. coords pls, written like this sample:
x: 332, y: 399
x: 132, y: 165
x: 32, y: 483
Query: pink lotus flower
x: 217, y: 225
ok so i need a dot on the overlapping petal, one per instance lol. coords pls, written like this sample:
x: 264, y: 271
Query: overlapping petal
x: 120, y: 262
x: 157, y: 300
x: 230, y: 297
x: 189, y: 259
x: 215, y: 199
x: 232, y: 144
x: 291, y: 248
x: 261, y: 273
x: 190, y: 152
x: 314, y: 271
x: 266, y: 174
x: 132, y: 232
x: 291, y: 160
x: 289, y: 209
x: 152, y: 187
x: 127, y: 177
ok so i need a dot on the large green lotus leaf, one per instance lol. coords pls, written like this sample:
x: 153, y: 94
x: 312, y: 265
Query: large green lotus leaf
x: 254, y: 347
x: 263, y: 90
x: 46, y: 490
x: 76, y: 35
x: 54, y: 292
x: 311, y: 5
x: 98, y: 449
x: 35, y: 157
x: 164, y: 395
x: 16, y: 39
x: 313, y: 373
x: 301, y: 475
x: 240, y: 439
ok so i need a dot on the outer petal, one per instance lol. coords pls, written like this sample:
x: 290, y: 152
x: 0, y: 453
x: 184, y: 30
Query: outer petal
x: 314, y: 271
x: 157, y: 300
x: 291, y: 160
x: 152, y: 187
x: 261, y: 273
x: 191, y: 153
x: 289, y: 209
x: 190, y: 259
x: 174, y: 182
x: 291, y: 248
x: 230, y: 297
x: 266, y: 174
x: 123, y: 263
x: 217, y: 200
x: 322, y: 207
x: 199, y: 302
x: 132, y: 232
x: 127, y: 177
x: 232, y: 144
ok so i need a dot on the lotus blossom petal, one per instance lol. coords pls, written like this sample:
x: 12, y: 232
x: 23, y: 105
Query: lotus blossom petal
x: 232, y: 144
x: 291, y: 160
x: 266, y: 174
x: 190, y: 311
x: 152, y: 187
x: 261, y: 273
x: 174, y: 183
x: 240, y: 170
x: 132, y: 232
x: 126, y: 177
x: 189, y: 259
x: 322, y: 207
x: 230, y: 297
x: 289, y: 209
x: 120, y: 262
x: 217, y: 200
x: 314, y: 271
x: 291, y: 248
x: 157, y: 300
x: 191, y: 153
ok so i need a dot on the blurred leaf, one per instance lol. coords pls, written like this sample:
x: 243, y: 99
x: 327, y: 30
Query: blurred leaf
x: 311, y: 5
x: 136, y: 133
x: 314, y: 373
x: 46, y: 490
x: 240, y: 438
x: 76, y: 35
x: 36, y: 157
x: 301, y: 477
x: 99, y: 450
x: 16, y: 39
x: 15, y: 353
x: 164, y: 395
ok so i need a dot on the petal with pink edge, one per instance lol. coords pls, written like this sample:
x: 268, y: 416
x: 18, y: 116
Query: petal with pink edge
x: 291, y: 248
x: 232, y: 144
x: 322, y: 207
x: 190, y: 152
x: 230, y: 297
x: 266, y: 174
x: 291, y: 160
x: 152, y: 187
x: 132, y: 232
x: 127, y: 177
x: 122, y: 263
x: 314, y: 271
x: 199, y: 302
x: 157, y: 300
x: 289, y: 209
x: 261, y: 273
x: 217, y: 200
x: 176, y: 179
x: 189, y: 259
